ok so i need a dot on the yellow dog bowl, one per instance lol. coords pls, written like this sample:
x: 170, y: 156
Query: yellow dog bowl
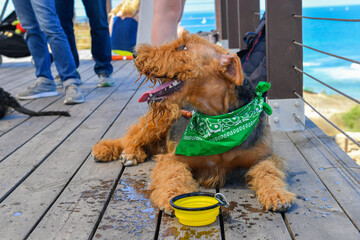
x: 198, y: 209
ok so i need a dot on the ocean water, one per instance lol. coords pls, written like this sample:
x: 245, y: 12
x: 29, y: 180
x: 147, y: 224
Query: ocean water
x: 340, y: 38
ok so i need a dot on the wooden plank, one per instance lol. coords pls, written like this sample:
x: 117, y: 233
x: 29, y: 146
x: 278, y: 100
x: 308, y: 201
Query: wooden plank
x: 78, y: 209
x: 315, y: 214
x: 336, y: 150
x: 11, y: 173
x: 171, y: 228
x: 344, y: 189
x: 246, y: 218
x: 130, y: 214
x: 32, y: 126
x: 14, y: 119
x: 11, y: 75
x: 39, y: 191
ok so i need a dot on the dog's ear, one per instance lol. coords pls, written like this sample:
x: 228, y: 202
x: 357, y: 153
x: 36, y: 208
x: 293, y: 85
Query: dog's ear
x: 230, y: 68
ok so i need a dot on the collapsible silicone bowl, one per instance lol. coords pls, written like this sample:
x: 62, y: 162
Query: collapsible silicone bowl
x: 198, y: 209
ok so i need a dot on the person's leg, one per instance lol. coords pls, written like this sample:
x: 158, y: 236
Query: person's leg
x: 100, y: 36
x: 167, y: 14
x: 50, y: 24
x: 44, y: 86
x: 35, y: 38
x: 65, y: 11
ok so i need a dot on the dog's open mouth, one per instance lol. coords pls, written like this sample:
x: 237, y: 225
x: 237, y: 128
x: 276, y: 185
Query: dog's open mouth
x: 159, y: 93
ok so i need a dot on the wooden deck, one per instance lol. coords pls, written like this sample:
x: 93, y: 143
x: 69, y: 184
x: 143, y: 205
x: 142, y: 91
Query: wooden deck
x: 51, y: 188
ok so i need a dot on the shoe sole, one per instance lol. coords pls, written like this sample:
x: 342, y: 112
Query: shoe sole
x: 39, y: 95
x: 72, y: 102
x: 106, y: 85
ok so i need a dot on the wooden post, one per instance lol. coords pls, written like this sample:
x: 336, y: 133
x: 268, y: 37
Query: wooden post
x: 221, y: 21
x: 218, y: 15
x: 281, y: 30
x: 233, y: 23
x: 281, y: 56
x: 248, y: 21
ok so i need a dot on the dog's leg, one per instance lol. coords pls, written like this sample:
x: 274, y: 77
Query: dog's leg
x: 169, y: 179
x: 267, y: 179
x: 147, y: 137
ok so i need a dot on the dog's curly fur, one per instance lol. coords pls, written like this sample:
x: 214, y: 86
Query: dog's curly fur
x: 7, y: 101
x: 211, y: 82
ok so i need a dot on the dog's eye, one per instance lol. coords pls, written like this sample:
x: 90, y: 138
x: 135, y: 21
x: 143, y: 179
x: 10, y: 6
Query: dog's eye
x: 182, y: 47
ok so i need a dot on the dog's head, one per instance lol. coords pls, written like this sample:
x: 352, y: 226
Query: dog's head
x: 193, y: 70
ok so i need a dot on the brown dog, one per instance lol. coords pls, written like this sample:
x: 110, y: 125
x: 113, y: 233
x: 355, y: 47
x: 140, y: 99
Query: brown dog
x: 206, y: 76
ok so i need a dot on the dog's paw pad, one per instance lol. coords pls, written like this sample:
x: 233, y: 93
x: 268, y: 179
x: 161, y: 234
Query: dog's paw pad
x: 281, y: 207
x: 167, y: 211
x: 127, y: 160
x: 95, y: 158
x: 277, y: 200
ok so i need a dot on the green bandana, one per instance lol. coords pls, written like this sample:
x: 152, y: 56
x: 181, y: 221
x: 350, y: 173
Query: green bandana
x: 209, y: 135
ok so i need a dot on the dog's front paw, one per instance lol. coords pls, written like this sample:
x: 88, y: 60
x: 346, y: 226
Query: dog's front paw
x: 128, y: 159
x: 277, y: 200
x: 105, y: 151
x: 168, y: 210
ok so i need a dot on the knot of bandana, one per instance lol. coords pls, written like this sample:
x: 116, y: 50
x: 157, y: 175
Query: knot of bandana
x: 209, y: 135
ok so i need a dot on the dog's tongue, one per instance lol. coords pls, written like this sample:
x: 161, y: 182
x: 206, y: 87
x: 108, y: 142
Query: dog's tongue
x: 146, y: 95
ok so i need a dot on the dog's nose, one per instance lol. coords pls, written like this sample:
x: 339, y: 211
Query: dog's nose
x: 135, y: 54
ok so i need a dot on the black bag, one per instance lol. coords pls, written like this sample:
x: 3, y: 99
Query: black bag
x: 12, y: 44
x: 253, y: 57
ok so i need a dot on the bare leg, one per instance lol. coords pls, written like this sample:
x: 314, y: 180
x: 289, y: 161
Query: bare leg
x: 167, y: 14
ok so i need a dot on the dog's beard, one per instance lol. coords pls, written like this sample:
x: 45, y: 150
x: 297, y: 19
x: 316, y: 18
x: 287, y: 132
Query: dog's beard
x: 163, y: 109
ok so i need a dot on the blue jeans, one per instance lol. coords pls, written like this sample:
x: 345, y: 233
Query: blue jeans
x: 100, y: 37
x: 42, y: 25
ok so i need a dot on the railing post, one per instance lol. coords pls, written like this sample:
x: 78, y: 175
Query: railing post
x: 248, y: 21
x: 233, y: 23
x: 234, y: 18
x: 281, y: 56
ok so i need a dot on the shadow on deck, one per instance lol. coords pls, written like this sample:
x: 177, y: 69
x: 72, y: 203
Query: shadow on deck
x: 51, y: 188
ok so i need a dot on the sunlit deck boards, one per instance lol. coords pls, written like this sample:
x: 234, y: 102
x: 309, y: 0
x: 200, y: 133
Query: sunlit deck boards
x: 51, y: 188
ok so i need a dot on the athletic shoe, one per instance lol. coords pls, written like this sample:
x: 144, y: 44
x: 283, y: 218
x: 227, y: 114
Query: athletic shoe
x: 105, y: 80
x: 43, y: 87
x: 73, y: 93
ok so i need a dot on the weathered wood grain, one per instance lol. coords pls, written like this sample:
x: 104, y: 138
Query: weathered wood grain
x: 38, y: 192
x: 28, y: 129
x: 315, y: 213
x: 246, y: 218
x: 78, y: 209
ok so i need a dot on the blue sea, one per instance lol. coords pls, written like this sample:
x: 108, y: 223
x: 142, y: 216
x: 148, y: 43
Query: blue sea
x: 340, y: 38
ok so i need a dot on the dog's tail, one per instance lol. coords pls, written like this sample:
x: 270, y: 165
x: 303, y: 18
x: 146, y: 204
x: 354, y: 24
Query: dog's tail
x: 45, y: 113
x: 13, y: 103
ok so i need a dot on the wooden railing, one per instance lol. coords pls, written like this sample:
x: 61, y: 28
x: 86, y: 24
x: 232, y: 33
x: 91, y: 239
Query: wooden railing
x: 236, y: 17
